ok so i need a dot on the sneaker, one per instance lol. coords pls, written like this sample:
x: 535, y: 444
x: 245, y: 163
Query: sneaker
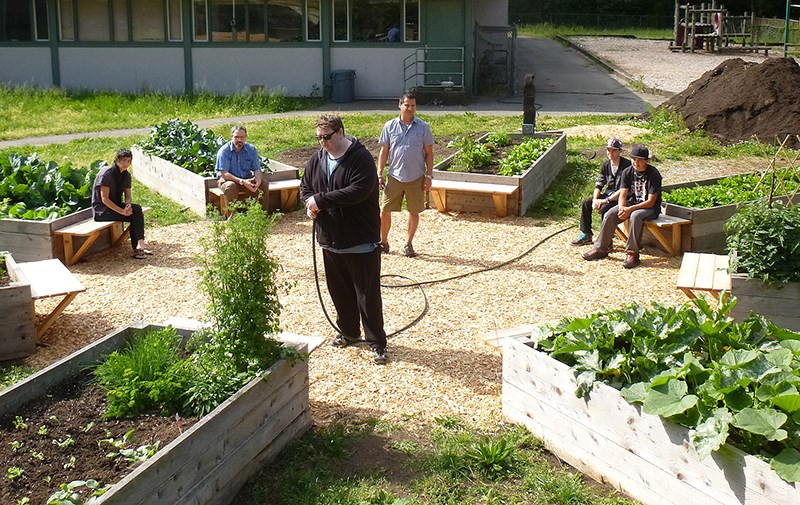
x: 384, y: 247
x: 409, y: 251
x: 344, y: 341
x: 583, y: 239
x: 379, y: 356
x: 594, y: 254
x: 631, y: 260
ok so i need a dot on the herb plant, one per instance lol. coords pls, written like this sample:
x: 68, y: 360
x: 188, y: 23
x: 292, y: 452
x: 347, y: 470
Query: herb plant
x: 764, y: 242
x: 726, y: 381
x: 522, y: 156
x: 69, y: 493
x: 33, y: 189
x: 147, y: 374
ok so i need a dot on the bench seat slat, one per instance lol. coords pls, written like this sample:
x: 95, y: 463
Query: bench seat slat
x: 476, y: 187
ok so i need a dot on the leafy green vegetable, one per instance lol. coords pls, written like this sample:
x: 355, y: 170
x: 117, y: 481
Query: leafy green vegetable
x: 734, y: 189
x: 725, y: 381
x: 185, y: 144
x: 764, y: 242
x: 33, y: 189
x: 521, y: 157
x: 470, y: 156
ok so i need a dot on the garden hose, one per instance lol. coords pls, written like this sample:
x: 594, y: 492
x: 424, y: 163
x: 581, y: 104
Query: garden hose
x: 413, y: 283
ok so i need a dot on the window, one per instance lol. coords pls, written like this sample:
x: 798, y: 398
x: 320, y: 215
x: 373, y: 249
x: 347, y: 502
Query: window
x: 175, y: 20
x: 200, y: 21
x: 312, y: 20
x: 66, y: 20
x: 93, y: 20
x: 285, y: 20
x: 120, y: 10
x: 15, y: 20
x: 341, y: 26
x: 148, y: 20
x: 256, y: 21
x: 42, y: 24
x: 376, y: 20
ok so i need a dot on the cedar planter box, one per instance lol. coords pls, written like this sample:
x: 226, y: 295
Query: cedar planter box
x: 612, y: 441
x: 17, y: 328
x: 531, y: 184
x: 706, y: 232
x: 210, y: 461
x: 780, y: 305
x: 34, y: 240
x: 190, y: 189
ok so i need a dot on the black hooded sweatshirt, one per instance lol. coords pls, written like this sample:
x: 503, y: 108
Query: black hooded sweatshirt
x: 349, y: 214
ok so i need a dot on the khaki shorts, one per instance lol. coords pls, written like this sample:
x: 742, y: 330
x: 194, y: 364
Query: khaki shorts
x: 393, y: 196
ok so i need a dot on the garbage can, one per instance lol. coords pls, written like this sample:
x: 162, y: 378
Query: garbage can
x: 343, y: 83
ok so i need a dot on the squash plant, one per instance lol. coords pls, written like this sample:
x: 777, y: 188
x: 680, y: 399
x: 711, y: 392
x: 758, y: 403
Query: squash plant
x: 33, y: 189
x: 725, y: 381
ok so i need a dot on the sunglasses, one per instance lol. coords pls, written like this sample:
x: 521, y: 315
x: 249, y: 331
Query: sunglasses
x: 327, y: 136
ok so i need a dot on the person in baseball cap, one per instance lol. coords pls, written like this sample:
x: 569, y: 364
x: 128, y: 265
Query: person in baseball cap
x: 639, y: 201
x: 606, y: 190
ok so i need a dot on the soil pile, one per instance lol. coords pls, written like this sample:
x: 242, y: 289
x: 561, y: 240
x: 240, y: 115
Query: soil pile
x: 739, y: 100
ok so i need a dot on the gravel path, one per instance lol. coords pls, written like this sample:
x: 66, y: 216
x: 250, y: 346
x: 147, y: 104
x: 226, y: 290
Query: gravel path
x: 653, y: 63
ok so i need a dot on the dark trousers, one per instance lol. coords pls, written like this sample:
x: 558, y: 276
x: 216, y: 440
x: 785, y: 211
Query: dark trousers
x: 136, y: 219
x: 354, y: 284
x: 586, y: 214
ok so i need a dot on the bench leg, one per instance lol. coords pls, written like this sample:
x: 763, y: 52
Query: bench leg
x: 500, y: 204
x: 440, y: 197
x: 119, y: 232
x: 48, y: 321
x: 72, y: 258
x: 223, y: 205
x: 288, y: 198
x: 622, y: 233
x: 662, y: 239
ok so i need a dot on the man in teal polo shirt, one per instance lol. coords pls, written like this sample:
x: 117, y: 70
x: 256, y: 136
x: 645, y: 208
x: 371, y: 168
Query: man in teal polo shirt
x: 239, y: 168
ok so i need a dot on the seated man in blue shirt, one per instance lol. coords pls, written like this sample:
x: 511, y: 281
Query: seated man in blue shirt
x: 239, y: 168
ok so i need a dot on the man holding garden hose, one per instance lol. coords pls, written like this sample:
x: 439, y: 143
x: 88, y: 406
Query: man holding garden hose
x: 340, y: 191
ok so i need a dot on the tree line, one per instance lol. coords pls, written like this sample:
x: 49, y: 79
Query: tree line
x: 526, y: 10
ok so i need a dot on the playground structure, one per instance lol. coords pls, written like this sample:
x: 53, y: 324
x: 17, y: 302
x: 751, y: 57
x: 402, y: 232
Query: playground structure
x: 711, y: 27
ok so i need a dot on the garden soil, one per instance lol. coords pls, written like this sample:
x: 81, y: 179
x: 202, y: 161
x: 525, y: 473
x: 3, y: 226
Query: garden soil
x: 741, y: 100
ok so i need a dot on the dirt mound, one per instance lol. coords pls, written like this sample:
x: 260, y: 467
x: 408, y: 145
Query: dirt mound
x: 740, y: 100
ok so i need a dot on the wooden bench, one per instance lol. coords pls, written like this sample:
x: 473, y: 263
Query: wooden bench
x: 499, y: 192
x: 289, y: 190
x: 656, y: 227
x: 90, y: 230
x: 704, y: 272
x: 50, y: 278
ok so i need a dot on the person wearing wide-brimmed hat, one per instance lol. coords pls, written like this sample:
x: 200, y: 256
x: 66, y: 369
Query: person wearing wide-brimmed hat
x: 606, y: 189
x: 639, y: 201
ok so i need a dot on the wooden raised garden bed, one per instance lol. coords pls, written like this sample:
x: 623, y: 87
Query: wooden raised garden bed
x: 211, y: 460
x: 529, y: 185
x: 34, y: 240
x: 190, y: 189
x: 706, y: 232
x: 780, y: 305
x: 17, y: 334
x: 612, y: 441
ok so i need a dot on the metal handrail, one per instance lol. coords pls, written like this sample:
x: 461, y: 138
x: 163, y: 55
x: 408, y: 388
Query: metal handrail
x: 416, y: 64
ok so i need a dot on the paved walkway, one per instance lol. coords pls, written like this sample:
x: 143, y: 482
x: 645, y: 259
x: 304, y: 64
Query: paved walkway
x: 566, y: 82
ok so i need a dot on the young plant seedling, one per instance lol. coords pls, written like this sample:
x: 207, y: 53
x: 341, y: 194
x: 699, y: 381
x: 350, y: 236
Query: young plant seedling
x: 67, y: 442
x: 42, y: 430
x: 70, y: 463
x: 37, y: 455
x: 14, y: 471
x: 19, y: 424
x: 16, y: 445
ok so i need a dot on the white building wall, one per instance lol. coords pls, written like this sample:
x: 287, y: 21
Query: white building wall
x: 379, y: 71
x: 127, y: 69
x: 26, y: 65
x: 494, y: 13
x: 293, y: 71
